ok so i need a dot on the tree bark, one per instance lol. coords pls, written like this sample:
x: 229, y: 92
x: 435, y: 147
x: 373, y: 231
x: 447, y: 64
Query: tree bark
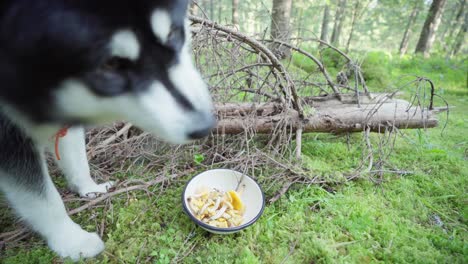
x: 450, y: 21
x: 429, y: 29
x: 325, y: 22
x: 353, y: 24
x: 406, y: 36
x: 460, y: 39
x: 330, y: 116
x: 458, y: 20
x: 300, y: 19
x: 339, y: 21
x: 211, y: 10
x: 220, y: 12
x: 235, y: 12
x: 280, y: 27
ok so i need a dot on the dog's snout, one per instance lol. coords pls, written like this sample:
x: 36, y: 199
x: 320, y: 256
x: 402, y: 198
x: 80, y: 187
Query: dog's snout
x: 207, y: 122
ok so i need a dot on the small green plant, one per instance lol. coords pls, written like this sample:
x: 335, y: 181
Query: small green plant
x: 332, y: 59
x: 198, y: 158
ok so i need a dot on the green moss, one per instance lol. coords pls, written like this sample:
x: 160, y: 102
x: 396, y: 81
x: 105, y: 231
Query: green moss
x: 376, y: 69
x: 420, y: 217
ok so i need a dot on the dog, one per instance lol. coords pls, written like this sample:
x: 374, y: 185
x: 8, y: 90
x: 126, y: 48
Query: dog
x: 70, y: 63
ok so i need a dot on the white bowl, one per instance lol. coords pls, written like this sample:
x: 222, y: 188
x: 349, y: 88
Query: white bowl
x: 226, y: 180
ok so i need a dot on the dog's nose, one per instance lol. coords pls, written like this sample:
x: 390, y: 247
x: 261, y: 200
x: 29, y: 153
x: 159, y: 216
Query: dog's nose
x: 200, y: 133
x: 208, y: 121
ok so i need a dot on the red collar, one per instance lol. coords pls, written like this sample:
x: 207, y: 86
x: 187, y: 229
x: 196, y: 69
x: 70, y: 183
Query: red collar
x: 60, y: 134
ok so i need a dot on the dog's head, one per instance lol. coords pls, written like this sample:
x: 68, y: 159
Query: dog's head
x: 92, y: 62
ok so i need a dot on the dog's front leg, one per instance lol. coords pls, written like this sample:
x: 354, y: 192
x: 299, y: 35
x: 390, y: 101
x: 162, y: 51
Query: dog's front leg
x: 74, y: 164
x: 32, y: 194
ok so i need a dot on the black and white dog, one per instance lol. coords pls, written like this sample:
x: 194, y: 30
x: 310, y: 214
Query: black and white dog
x: 78, y: 62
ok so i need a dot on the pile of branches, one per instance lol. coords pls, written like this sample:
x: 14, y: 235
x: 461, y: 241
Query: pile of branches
x: 264, y: 105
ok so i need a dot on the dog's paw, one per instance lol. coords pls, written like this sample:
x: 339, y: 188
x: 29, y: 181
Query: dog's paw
x: 76, y: 243
x: 92, y: 190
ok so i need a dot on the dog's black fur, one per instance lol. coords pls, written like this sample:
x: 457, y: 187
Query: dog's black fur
x: 44, y: 42
x: 18, y: 156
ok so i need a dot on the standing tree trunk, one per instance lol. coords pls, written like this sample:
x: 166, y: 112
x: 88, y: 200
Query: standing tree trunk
x: 300, y: 19
x: 405, y: 41
x: 211, y: 10
x: 458, y: 19
x: 235, y: 12
x: 429, y: 29
x: 460, y: 39
x: 220, y: 12
x: 339, y: 21
x: 280, y: 28
x: 450, y: 20
x: 325, y: 22
x: 353, y: 23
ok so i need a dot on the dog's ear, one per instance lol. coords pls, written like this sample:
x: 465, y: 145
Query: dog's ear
x: 9, y: 77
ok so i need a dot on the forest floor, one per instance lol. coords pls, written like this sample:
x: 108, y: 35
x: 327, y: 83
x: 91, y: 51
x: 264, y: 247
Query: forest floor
x: 419, y: 217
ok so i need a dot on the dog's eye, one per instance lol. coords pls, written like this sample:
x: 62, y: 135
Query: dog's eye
x: 117, y: 64
x: 176, y: 38
x: 174, y: 33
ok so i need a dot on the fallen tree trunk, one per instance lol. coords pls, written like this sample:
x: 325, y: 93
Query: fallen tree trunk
x: 327, y: 114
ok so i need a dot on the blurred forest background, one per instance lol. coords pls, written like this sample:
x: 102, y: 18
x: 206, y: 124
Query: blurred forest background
x: 395, y: 26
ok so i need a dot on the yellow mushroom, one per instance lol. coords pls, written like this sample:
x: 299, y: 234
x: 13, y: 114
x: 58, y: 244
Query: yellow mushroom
x: 217, y: 208
x: 236, y: 201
